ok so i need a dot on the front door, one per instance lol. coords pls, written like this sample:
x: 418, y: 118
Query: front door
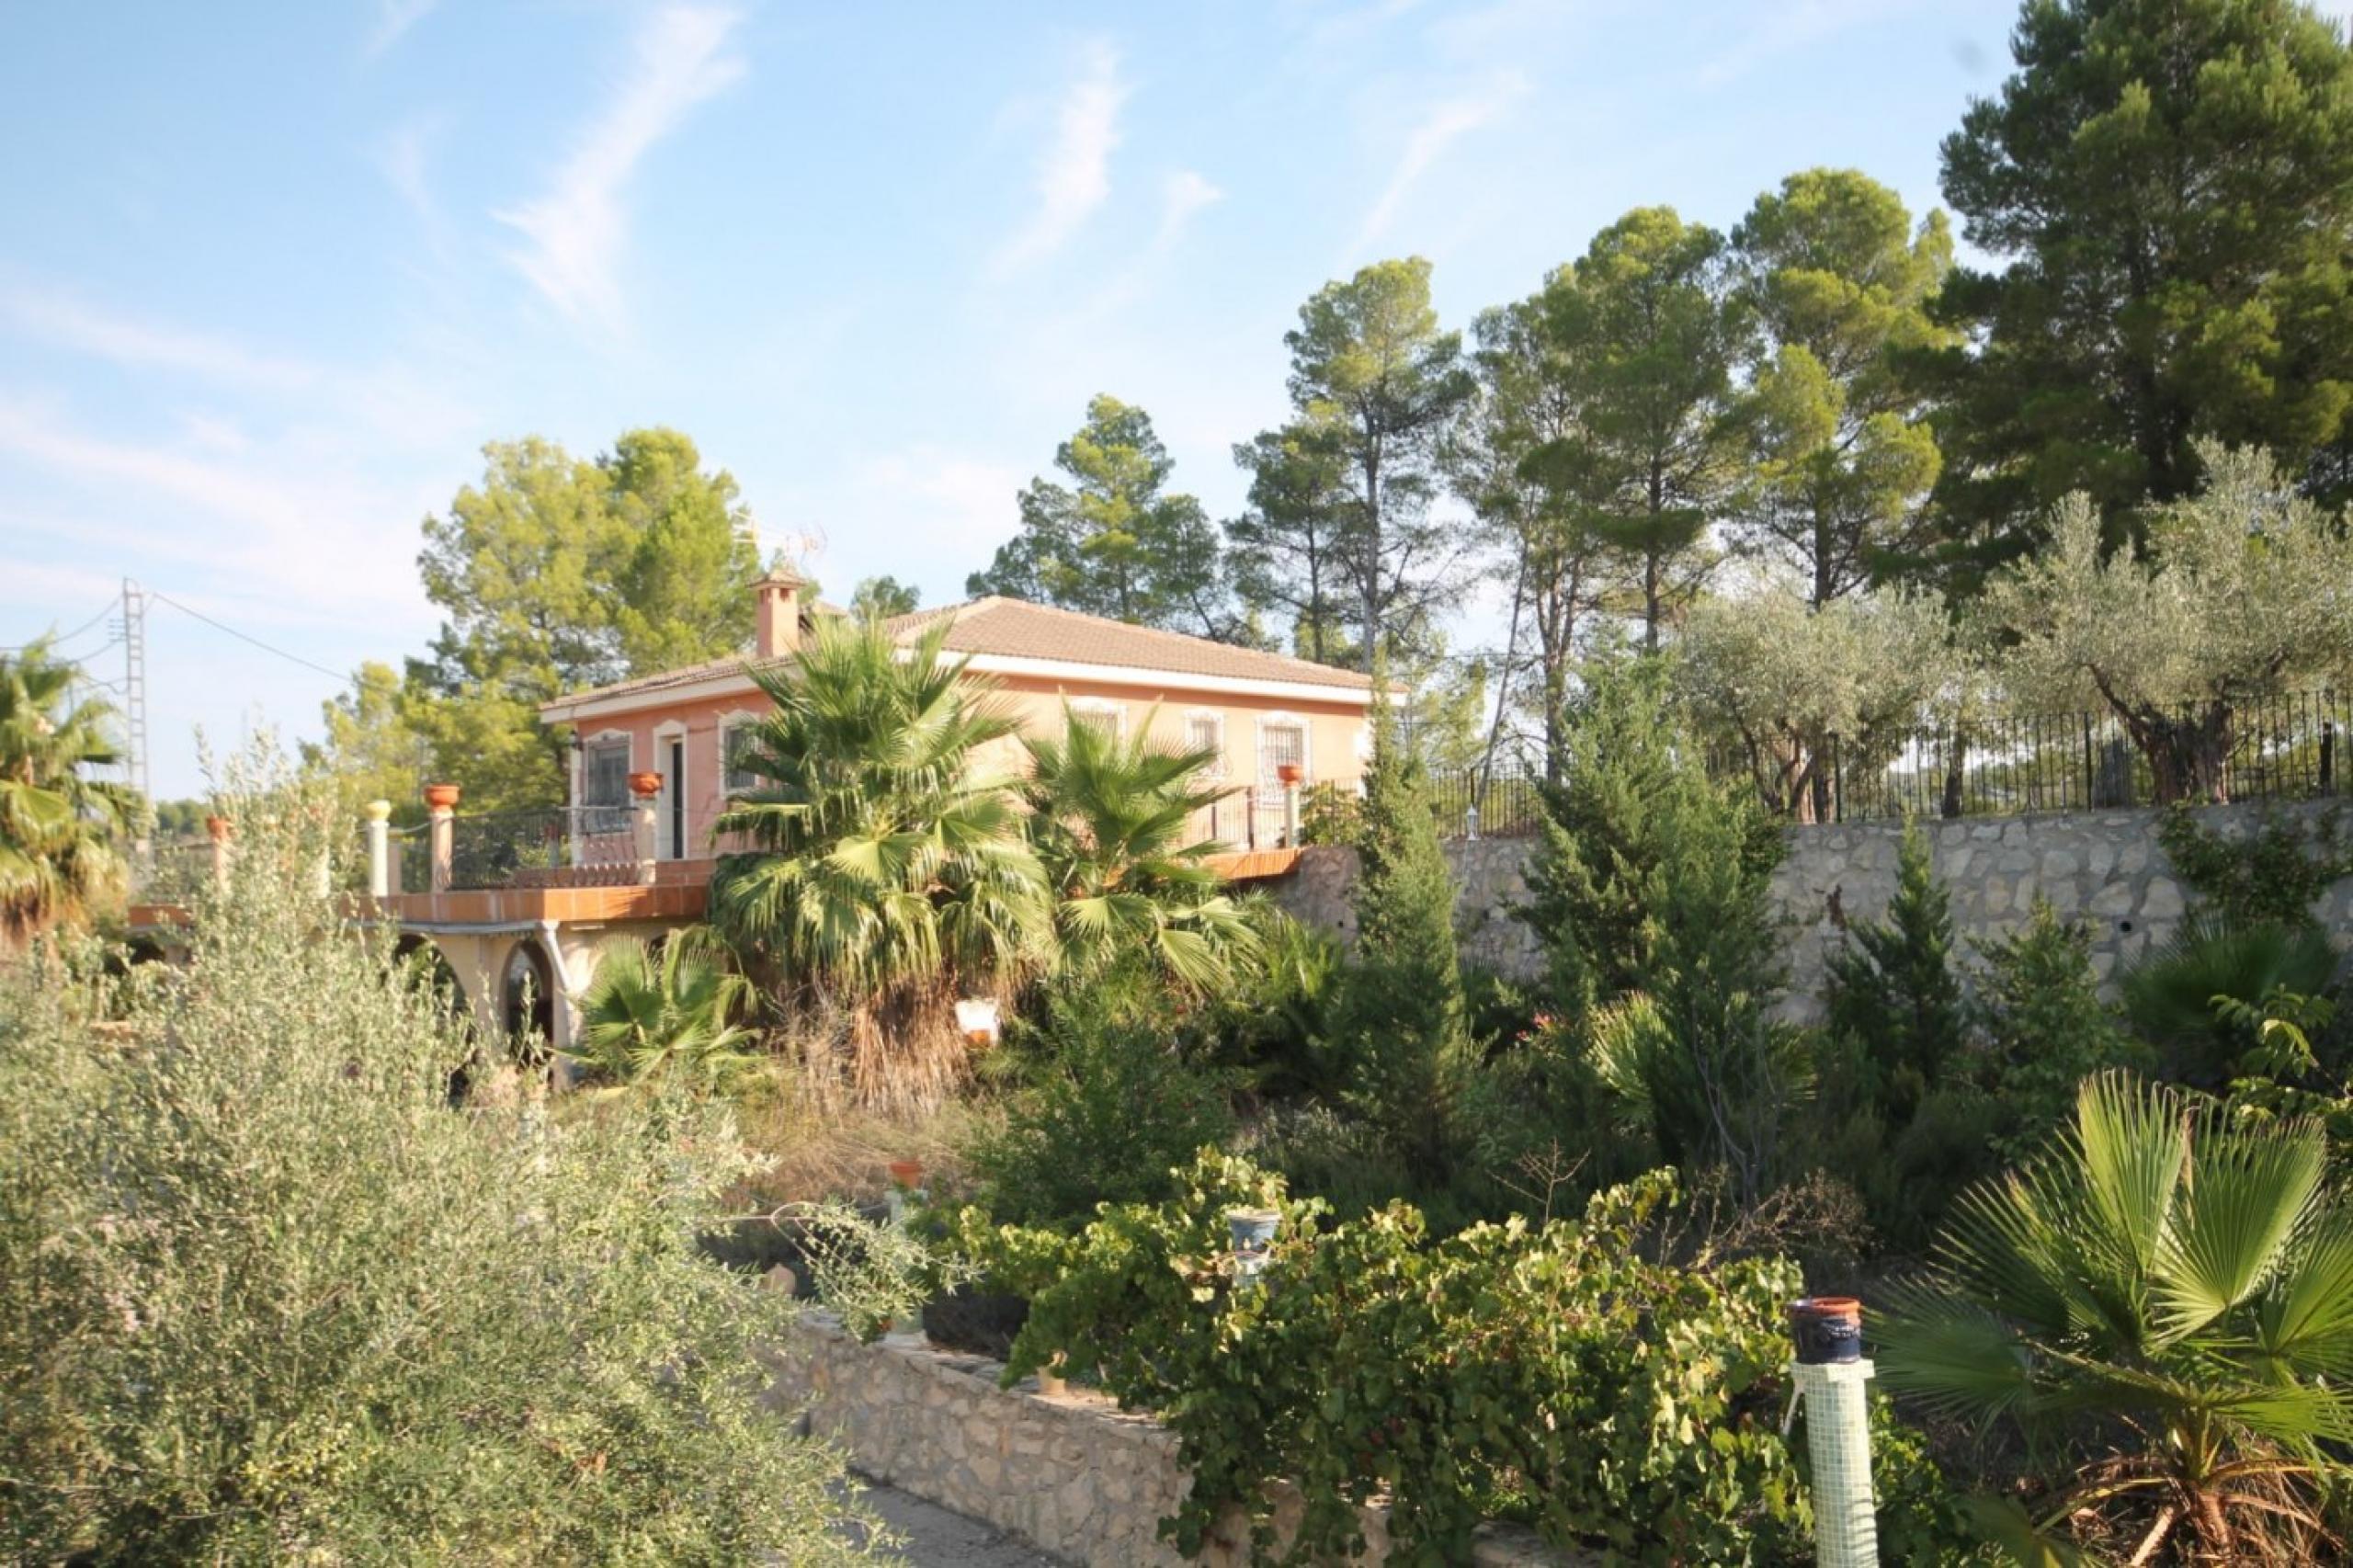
x: 674, y: 798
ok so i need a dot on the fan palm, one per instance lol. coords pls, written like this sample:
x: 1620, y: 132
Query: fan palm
x: 2171, y: 996
x: 2168, y: 1286
x: 58, y: 826
x: 655, y: 1013
x: 1109, y: 817
x: 885, y: 863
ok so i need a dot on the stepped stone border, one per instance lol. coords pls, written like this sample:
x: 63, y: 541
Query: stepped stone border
x: 1072, y: 1474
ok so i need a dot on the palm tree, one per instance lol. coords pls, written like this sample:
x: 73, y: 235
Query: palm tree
x: 1108, y: 817
x: 58, y: 826
x: 886, y: 865
x: 2163, y: 1289
x: 652, y: 1013
x: 2171, y: 996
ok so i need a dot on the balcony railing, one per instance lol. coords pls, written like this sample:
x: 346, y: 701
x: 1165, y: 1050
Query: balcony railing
x: 545, y: 846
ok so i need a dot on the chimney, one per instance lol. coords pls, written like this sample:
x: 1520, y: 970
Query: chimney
x: 775, y: 619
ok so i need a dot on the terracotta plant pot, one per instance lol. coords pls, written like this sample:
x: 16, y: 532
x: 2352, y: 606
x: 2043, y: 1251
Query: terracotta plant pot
x: 217, y: 829
x: 645, y: 786
x: 1289, y: 772
x: 1827, y: 1330
x: 441, y: 797
x: 907, y: 1174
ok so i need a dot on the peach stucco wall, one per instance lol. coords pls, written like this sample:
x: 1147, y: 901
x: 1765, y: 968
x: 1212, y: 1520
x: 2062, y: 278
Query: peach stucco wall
x: 1335, y: 738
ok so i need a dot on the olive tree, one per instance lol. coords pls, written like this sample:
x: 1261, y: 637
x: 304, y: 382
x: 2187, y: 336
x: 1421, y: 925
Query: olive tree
x: 1804, y: 694
x: 2243, y: 591
x: 267, y: 1295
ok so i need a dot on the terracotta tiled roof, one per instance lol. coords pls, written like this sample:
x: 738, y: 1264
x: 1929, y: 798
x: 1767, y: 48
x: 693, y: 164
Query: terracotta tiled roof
x: 1019, y: 629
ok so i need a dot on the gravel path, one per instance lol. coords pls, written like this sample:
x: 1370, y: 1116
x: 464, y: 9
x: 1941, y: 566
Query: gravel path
x: 935, y: 1537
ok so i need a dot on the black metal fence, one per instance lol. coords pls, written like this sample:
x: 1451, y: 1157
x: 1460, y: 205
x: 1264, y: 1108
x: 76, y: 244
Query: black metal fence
x: 2282, y: 749
x: 2287, y: 748
x: 498, y: 848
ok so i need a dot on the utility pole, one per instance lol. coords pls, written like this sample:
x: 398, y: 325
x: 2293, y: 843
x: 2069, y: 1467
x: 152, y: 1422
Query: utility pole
x: 135, y: 687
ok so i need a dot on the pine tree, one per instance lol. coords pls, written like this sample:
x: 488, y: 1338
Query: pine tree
x: 1400, y: 1019
x: 1894, y: 993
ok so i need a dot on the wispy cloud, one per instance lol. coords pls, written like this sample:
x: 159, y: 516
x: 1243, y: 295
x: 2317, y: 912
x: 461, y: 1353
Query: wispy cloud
x: 1445, y: 124
x: 58, y: 317
x: 290, y: 524
x: 1803, y: 22
x: 393, y: 19
x: 1182, y: 198
x: 937, y: 507
x: 578, y: 228
x: 404, y: 158
x: 1074, y: 173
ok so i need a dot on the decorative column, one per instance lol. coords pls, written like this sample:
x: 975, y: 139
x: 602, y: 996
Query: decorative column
x: 441, y: 828
x: 380, y: 849
x: 1291, y: 774
x: 217, y: 829
x: 646, y: 787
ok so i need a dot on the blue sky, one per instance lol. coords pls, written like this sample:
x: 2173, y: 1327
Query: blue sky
x: 271, y: 275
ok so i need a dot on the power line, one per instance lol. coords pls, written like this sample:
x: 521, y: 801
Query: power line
x: 104, y: 611
x: 340, y: 676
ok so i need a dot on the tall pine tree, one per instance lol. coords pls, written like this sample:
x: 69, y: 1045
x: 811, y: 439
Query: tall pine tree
x: 2169, y: 184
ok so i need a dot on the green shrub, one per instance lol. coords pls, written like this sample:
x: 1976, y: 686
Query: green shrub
x: 1650, y: 898
x: 1273, y: 1024
x: 2044, y: 1025
x: 1898, y: 1116
x: 265, y: 1297
x: 1893, y: 996
x: 1632, y: 783
x: 1561, y: 1374
x: 2273, y: 878
x: 1107, y: 1106
x: 1397, y: 1024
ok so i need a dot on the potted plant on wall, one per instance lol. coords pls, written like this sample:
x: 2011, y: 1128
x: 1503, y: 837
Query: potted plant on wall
x: 1290, y: 773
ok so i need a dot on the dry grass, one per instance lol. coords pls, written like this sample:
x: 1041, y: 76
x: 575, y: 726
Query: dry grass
x: 830, y: 1146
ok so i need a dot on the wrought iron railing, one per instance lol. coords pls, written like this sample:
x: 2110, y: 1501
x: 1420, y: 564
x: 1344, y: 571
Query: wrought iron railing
x: 547, y: 844
x: 2283, y: 748
x: 171, y: 873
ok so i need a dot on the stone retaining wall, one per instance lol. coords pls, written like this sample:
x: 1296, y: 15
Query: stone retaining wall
x: 1072, y: 1474
x: 2106, y: 868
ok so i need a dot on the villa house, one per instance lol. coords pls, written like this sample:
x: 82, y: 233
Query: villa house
x: 521, y: 906
x: 1257, y: 710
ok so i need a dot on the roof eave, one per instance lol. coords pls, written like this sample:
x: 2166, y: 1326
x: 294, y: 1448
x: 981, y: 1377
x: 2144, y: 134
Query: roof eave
x: 598, y: 705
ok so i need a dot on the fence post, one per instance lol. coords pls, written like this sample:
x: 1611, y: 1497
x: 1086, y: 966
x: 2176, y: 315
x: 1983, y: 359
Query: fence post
x: 380, y: 849
x: 644, y: 787
x: 2329, y: 756
x: 1830, y: 1373
x: 441, y: 826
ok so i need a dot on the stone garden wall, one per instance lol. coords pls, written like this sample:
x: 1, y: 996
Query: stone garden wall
x: 1072, y: 1473
x: 2106, y: 868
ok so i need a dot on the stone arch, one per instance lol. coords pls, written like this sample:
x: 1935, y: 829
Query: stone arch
x: 526, y: 994
x: 440, y: 973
